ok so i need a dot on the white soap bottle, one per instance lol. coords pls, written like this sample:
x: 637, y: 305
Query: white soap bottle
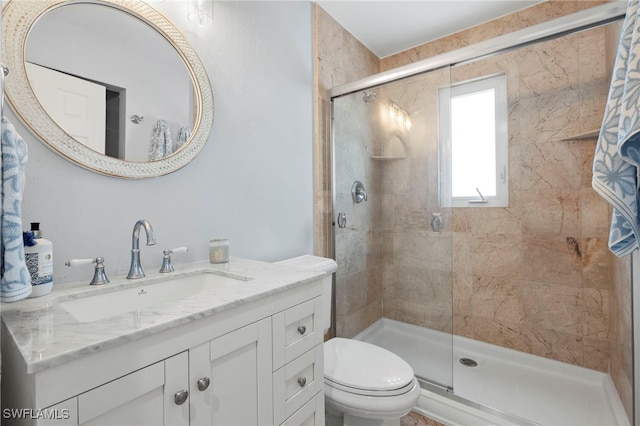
x: 39, y: 260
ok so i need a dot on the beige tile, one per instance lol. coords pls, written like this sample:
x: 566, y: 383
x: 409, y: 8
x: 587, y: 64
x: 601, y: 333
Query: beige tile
x: 595, y: 214
x: 596, y: 303
x: 498, y: 299
x: 462, y: 293
x: 551, y: 213
x: 498, y: 333
x: 549, y: 67
x: 497, y: 221
x: 552, y: 260
x: 495, y: 255
x: 596, y: 354
x: 549, y: 164
x: 554, y: 345
x: 595, y: 263
x: 463, y: 325
x: 351, y: 293
x: 411, y: 312
x: 553, y: 307
x: 418, y: 249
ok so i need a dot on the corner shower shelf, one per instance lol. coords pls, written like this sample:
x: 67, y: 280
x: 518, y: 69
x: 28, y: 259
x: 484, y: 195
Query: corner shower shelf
x: 386, y: 157
x: 593, y: 134
x: 393, y: 144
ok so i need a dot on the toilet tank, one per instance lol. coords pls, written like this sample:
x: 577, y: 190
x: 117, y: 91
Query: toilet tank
x: 321, y: 264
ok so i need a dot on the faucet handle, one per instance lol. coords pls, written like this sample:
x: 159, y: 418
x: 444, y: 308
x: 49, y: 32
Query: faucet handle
x: 99, y: 275
x: 166, y: 258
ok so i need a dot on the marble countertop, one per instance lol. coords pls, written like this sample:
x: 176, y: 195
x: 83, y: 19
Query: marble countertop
x: 48, y: 335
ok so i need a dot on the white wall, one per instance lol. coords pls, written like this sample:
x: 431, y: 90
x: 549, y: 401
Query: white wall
x: 253, y: 181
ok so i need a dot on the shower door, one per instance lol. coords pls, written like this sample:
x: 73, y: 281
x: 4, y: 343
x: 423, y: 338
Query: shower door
x: 393, y: 234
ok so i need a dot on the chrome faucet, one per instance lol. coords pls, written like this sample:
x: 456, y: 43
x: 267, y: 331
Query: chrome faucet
x: 135, y: 271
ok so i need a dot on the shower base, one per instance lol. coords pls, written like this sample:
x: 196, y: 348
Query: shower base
x: 505, y: 387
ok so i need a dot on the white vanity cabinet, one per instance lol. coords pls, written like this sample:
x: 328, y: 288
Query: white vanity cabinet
x: 152, y: 396
x: 255, y: 363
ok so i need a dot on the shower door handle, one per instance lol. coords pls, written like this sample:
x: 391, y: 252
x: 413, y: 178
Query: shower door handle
x: 342, y: 220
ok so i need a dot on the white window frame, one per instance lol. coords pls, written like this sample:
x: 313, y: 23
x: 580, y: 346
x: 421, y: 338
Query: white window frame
x: 499, y: 84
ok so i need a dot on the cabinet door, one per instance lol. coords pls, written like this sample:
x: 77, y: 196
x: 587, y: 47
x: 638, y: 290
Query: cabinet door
x: 62, y: 414
x: 144, y: 397
x: 237, y: 367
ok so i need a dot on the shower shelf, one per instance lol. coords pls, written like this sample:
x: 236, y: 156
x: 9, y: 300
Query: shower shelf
x: 386, y: 157
x: 593, y: 134
x: 393, y: 147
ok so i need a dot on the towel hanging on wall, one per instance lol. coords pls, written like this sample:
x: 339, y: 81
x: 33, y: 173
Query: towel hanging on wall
x: 161, y: 141
x: 617, y: 158
x: 15, y: 283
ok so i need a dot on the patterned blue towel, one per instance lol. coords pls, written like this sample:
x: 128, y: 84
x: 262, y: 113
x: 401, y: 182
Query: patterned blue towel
x: 617, y: 159
x: 15, y: 283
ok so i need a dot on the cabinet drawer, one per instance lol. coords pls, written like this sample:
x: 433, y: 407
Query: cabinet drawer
x: 310, y: 414
x: 296, y: 383
x: 296, y: 330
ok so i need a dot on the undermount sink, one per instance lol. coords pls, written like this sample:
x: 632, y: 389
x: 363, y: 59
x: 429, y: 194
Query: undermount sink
x: 139, y: 297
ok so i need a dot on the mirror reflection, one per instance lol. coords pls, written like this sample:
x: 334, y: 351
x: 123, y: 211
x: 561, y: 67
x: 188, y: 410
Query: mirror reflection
x: 110, y: 81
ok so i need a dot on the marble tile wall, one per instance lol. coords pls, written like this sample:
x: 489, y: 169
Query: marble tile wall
x: 534, y: 276
x: 539, y: 13
x: 340, y: 59
x: 621, y: 368
x: 537, y: 275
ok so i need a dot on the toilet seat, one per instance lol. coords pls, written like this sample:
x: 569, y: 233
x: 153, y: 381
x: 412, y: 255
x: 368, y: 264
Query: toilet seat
x: 366, y: 392
x: 362, y: 368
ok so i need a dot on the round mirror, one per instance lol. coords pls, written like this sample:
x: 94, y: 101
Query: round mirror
x: 110, y: 85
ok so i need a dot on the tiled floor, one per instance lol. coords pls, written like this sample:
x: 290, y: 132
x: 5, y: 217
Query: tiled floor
x: 415, y: 419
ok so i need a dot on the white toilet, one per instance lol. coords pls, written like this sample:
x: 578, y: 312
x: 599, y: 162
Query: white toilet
x: 364, y: 384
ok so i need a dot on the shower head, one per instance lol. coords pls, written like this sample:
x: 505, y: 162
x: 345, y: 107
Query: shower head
x: 369, y: 96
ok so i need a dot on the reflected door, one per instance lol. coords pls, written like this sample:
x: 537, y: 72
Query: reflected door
x: 78, y: 106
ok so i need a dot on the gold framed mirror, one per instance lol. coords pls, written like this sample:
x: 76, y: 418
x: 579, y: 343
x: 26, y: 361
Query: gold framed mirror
x: 145, y: 111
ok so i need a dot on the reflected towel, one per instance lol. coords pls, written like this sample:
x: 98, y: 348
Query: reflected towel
x: 617, y: 157
x: 15, y: 283
x: 183, y: 136
x: 161, y: 141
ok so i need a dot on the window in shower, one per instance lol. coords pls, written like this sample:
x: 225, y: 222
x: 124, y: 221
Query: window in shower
x: 474, y: 143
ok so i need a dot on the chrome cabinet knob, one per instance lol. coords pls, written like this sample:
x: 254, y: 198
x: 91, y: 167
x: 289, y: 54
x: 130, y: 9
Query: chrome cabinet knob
x: 203, y: 383
x: 302, y: 329
x: 181, y: 397
x: 302, y: 381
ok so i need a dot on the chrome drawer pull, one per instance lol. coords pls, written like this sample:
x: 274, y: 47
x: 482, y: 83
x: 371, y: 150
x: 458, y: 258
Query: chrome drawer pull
x: 181, y: 397
x: 203, y: 383
x: 302, y: 381
x: 302, y: 329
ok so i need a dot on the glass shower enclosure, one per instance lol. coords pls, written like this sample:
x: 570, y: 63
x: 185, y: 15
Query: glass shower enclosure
x: 424, y: 265
x: 393, y: 236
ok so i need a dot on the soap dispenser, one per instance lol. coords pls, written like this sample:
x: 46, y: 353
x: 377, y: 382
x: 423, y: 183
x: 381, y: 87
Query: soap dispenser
x: 38, y: 255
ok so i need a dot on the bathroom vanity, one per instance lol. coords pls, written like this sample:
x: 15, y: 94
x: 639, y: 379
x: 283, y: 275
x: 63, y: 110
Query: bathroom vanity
x: 239, y: 343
